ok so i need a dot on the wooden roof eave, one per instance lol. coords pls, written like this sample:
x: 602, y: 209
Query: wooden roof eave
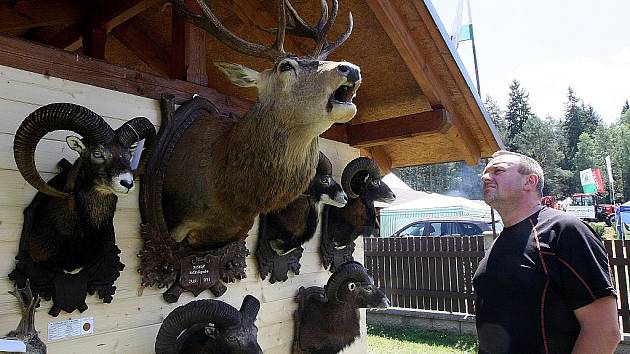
x: 407, y: 24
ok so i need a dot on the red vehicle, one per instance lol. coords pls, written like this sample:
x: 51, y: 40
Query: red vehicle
x: 549, y: 201
x: 603, y: 212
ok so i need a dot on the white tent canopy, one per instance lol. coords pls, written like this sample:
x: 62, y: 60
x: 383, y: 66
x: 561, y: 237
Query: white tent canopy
x: 435, y: 200
x: 433, y: 205
x: 403, y: 192
x: 395, y: 183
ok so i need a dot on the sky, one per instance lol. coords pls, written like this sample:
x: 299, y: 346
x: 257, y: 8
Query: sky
x: 549, y: 45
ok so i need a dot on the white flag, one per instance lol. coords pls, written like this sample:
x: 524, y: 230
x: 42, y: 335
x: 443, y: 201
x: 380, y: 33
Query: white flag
x: 609, y: 169
x: 457, y: 23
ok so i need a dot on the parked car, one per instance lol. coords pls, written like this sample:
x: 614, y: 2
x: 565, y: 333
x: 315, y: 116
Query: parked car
x: 447, y: 227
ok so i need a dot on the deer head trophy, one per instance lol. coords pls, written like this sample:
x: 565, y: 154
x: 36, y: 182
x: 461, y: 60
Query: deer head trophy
x: 274, y: 146
x: 222, y: 172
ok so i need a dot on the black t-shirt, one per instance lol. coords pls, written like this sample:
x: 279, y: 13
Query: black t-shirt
x: 536, y: 273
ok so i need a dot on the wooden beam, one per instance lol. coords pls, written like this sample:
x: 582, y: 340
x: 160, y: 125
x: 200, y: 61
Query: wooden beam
x: 112, y: 15
x: 137, y: 41
x: 117, y: 12
x: 69, y: 38
x: 465, y: 142
x: 94, y: 39
x: 337, y: 132
x: 25, y: 14
x: 381, y: 157
x: 49, y: 61
x: 188, y: 51
x: 396, y: 129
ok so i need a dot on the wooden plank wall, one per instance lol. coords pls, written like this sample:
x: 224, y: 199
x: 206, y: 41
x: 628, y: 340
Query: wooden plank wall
x: 129, y: 324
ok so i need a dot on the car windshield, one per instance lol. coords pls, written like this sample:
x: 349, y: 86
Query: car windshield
x: 434, y: 228
x: 413, y: 230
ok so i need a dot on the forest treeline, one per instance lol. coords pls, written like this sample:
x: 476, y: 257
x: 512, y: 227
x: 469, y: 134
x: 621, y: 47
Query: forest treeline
x: 563, y: 145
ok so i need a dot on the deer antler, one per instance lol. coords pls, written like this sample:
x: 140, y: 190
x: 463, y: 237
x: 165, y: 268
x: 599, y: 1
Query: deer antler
x: 212, y: 25
x: 300, y: 28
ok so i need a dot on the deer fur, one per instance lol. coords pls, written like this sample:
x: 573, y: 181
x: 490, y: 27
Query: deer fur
x: 221, y: 175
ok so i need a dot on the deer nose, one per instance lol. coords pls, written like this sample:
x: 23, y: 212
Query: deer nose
x: 352, y: 73
x: 125, y: 183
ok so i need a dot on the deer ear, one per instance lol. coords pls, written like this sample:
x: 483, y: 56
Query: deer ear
x: 75, y: 143
x: 239, y: 75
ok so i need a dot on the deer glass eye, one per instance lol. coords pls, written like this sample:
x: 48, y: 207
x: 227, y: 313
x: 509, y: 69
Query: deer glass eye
x: 352, y: 286
x: 97, y: 154
x: 231, y: 338
x: 325, y: 180
x: 286, y: 66
x: 376, y: 182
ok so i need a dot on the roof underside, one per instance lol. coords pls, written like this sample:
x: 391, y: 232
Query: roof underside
x: 414, y: 106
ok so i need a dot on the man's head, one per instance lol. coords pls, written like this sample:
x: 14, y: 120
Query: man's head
x: 511, y: 177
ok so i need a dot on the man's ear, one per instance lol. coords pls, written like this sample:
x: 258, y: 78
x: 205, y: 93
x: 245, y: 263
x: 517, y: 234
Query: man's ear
x: 239, y: 75
x: 75, y: 144
x: 531, y: 182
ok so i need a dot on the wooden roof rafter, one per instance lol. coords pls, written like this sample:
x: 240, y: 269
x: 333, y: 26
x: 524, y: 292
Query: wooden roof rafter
x: 27, y: 14
x: 138, y: 41
x: 256, y: 16
x: 106, y: 16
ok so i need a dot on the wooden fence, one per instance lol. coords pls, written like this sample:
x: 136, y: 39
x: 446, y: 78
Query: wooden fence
x: 431, y: 273
x: 435, y: 273
x: 619, y: 257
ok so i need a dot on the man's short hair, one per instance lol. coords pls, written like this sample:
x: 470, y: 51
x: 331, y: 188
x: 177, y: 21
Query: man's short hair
x: 526, y: 166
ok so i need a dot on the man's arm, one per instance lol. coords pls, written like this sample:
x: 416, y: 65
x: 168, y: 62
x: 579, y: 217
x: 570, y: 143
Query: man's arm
x: 599, y: 324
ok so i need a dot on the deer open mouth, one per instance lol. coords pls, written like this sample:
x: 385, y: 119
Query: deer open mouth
x: 344, y: 94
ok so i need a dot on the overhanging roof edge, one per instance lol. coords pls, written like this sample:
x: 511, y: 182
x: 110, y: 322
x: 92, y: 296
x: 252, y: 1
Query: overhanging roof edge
x: 462, y: 70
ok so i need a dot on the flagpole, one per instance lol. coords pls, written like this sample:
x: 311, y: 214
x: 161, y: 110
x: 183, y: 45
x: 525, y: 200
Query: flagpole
x: 474, y: 50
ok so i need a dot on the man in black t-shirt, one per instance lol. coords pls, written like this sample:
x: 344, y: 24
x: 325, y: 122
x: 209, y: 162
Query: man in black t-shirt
x: 545, y: 286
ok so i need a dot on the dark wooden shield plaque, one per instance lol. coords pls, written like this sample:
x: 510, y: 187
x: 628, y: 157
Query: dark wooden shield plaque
x: 164, y: 262
x: 333, y: 256
x: 304, y: 296
x: 270, y: 262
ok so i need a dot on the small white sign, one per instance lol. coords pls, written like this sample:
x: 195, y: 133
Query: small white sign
x: 582, y: 212
x: 70, y: 328
x: 12, y: 345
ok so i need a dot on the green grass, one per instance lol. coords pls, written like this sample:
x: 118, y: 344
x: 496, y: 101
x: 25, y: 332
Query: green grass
x: 393, y: 340
x: 609, y: 233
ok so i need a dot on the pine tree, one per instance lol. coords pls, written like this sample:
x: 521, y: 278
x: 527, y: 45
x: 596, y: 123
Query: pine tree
x: 496, y: 114
x: 625, y: 113
x: 590, y: 120
x: 572, y: 127
x: 518, y: 112
x: 539, y: 141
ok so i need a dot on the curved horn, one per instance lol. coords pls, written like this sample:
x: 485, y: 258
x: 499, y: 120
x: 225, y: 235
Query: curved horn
x: 211, y: 24
x: 360, y: 164
x: 347, y: 271
x: 135, y: 130
x: 55, y: 116
x: 250, y: 308
x: 324, y: 165
x: 216, y: 312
